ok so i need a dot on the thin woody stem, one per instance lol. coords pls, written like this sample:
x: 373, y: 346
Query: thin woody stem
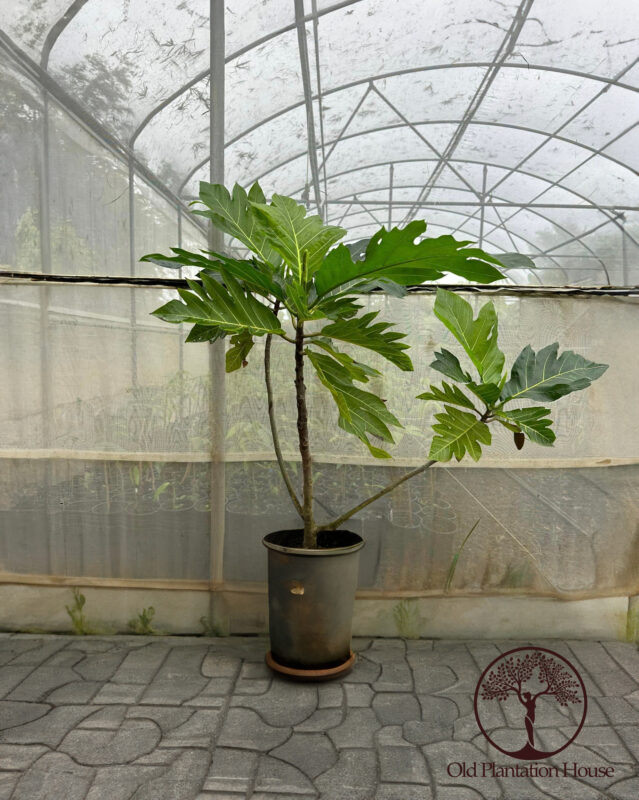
x: 331, y: 526
x: 310, y: 531
x: 271, y: 417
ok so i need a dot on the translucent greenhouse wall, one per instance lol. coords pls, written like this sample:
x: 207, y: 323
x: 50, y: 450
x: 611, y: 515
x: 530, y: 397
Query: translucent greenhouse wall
x: 108, y: 470
x: 131, y: 464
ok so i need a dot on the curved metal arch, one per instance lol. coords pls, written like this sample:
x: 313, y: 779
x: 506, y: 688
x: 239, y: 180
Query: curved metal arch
x: 469, y: 161
x: 589, y: 202
x: 56, y: 30
x: 227, y: 59
x: 381, y: 76
x: 528, y: 129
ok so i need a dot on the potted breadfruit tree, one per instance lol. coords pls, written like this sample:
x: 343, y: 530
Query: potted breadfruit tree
x: 296, y: 283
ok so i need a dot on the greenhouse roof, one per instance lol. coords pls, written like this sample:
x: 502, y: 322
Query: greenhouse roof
x: 510, y: 123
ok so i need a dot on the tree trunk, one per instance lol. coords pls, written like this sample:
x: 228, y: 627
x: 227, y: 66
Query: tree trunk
x: 310, y: 532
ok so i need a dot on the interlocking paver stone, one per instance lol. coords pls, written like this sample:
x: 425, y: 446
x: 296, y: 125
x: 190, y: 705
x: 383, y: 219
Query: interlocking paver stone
x: 52, y: 776
x: 402, y: 765
x: 14, y: 713
x: 8, y: 781
x: 49, y: 729
x: 276, y: 777
x: 243, y: 728
x: 357, y: 730
x: 313, y: 753
x: 394, y: 709
x: 143, y: 718
x: 11, y: 676
x: 139, y: 666
x: 352, y: 778
x: 100, y: 667
x: 231, y: 771
x: 135, y: 738
x: 402, y: 791
x: 285, y: 703
x: 19, y: 756
x: 121, y: 782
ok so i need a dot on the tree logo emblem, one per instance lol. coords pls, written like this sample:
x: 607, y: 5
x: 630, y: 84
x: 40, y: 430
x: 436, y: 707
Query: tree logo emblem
x: 524, y: 688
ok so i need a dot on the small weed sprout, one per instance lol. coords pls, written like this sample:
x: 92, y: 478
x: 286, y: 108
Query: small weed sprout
x: 76, y: 613
x: 143, y: 623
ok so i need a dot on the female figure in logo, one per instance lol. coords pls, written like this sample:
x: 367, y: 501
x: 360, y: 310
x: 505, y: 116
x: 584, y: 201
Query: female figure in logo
x: 528, y: 701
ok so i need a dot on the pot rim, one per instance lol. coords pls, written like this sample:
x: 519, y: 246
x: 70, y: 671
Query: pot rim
x: 319, y: 551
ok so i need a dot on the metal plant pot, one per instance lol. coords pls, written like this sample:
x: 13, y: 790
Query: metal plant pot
x: 311, y: 597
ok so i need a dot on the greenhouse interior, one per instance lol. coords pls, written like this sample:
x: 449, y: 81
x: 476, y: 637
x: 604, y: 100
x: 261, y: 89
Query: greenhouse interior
x: 276, y: 178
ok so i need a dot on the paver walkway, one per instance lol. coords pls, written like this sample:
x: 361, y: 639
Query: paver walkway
x: 142, y: 718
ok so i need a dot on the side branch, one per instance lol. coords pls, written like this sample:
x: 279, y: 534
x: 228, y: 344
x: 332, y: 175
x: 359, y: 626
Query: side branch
x: 331, y: 526
x: 274, y: 434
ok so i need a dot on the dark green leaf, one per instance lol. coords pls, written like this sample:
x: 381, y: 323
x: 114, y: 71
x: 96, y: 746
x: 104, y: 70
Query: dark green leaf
x: 252, y: 273
x: 292, y: 234
x: 458, y: 433
x: 359, y: 372
x: 548, y: 376
x: 234, y: 215
x: 447, y: 394
x: 448, y: 364
x: 225, y: 306
x: 395, y: 255
x: 515, y: 261
x: 204, y: 333
x: 363, y: 332
x: 534, y: 422
x: 241, y: 345
x: 477, y: 337
x: 488, y: 392
x: 360, y: 413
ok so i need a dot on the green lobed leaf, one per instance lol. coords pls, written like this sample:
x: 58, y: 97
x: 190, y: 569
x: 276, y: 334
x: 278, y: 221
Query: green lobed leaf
x: 477, y: 337
x: 234, y: 214
x: 359, y: 372
x: 360, y: 413
x: 458, y: 433
x: 515, y: 261
x: 292, y: 233
x: 241, y: 345
x: 225, y: 306
x: 395, y: 255
x: 447, y: 394
x: 204, y: 333
x: 448, y: 364
x: 547, y: 375
x: 364, y: 332
x: 254, y: 274
x: 487, y: 392
x: 534, y: 422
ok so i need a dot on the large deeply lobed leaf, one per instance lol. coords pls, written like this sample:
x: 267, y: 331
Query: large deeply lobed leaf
x: 477, y: 337
x: 364, y: 332
x: 234, y: 214
x: 226, y: 307
x: 457, y: 433
x: 396, y: 256
x: 297, y: 238
x: 548, y: 376
x: 360, y: 413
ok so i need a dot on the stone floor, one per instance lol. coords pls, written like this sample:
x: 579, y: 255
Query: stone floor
x: 121, y: 718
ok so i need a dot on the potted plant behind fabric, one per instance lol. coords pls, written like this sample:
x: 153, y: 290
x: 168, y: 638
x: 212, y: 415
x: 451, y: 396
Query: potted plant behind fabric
x: 302, y: 287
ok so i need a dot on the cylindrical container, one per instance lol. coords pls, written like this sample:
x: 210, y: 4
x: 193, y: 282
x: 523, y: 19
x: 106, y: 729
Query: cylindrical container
x: 311, y: 597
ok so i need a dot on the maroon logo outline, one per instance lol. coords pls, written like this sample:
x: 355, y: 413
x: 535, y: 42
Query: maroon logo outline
x: 551, y: 672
